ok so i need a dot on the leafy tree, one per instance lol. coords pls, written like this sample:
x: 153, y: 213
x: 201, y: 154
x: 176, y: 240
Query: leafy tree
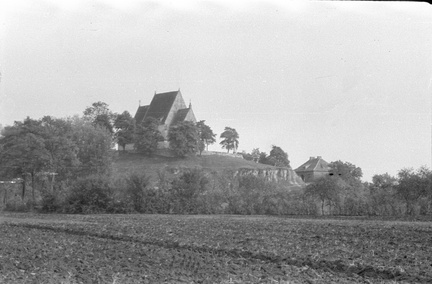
x: 326, y: 190
x: 100, y: 114
x: 263, y: 158
x: 94, y: 147
x: 205, y: 133
x: 347, y: 172
x: 186, y: 190
x: 201, y: 146
x: 278, y: 157
x: 23, y: 151
x: 96, y: 109
x: 255, y: 154
x: 125, y: 129
x: 382, y: 192
x: 90, y: 194
x: 104, y: 121
x: 147, y: 136
x: 183, y: 138
x: 230, y: 140
x: 383, y: 182
x: 58, y: 134
x: 413, y: 186
x: 136, y: 189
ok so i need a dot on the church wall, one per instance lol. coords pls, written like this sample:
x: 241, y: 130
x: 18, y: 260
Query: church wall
x: 163, y: 129
x: 177, y: 104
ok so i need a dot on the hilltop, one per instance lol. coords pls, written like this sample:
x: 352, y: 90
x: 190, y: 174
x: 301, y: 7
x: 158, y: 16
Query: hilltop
x: 132, y: 162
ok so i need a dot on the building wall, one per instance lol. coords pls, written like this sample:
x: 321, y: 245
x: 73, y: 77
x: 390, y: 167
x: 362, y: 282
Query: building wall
x: 306, y: 176
x: 163, y: 129
x: 318, y: 175
x: 177, y: 104
x: 310, y: 176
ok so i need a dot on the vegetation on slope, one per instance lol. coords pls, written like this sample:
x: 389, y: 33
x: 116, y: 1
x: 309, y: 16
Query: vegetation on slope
x: 131, y: 162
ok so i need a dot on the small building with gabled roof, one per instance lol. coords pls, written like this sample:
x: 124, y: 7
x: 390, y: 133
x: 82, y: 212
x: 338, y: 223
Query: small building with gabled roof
x: 168, y: 108
x: 313, y: 169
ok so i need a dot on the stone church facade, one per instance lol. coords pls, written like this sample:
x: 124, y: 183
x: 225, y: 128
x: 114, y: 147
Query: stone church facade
x: 168, y: 108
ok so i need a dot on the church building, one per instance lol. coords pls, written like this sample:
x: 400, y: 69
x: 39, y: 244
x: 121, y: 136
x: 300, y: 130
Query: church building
x: 168, y: 108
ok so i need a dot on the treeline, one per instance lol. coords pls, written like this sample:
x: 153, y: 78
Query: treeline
x: 277, y: 157
x: 191, y: 192
x: 343, y: 193
x: 65, y: 165
x: 64, y: 149
x: 195, y: 191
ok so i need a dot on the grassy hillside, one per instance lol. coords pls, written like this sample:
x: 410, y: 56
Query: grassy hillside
x: 132, y: 162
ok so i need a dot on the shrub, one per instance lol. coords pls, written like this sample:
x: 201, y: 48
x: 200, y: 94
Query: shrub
x: 49, y: 202
x: 91, y: 194
x: 144, y: 197
x: 186, y: 190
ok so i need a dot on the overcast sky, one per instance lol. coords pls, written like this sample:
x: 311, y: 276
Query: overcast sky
x: 347, y: 81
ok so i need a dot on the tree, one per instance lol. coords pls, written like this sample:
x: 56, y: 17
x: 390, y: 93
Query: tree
x: 63, y: 152
x: 205, y: 133
x: 147, y: 136
x: 347, y: 172
x: 99, y: 114
x: 382, y: 195
x: 383, y: 182
x: 263, y: 158
x: 186, y: 190
x: 96, y: 109
x: 326, y: 190
x: 201, y: 146
x: 104, y: 121
x: 94, y: 147
x: 183, y: 138
x: 125, y: 129
x: 413, y: 186
x: 230, y: 140
x: 255, y: 155
x: 278, y: 157
x: 23, y: 151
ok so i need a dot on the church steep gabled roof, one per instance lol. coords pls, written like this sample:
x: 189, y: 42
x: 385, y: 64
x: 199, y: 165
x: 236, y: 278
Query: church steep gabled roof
x: 181, y: 115
x: 161, y: 105
x: 139, y: 116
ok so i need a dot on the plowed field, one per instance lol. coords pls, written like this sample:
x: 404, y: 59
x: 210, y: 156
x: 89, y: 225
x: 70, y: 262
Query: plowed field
x: 211, y: 249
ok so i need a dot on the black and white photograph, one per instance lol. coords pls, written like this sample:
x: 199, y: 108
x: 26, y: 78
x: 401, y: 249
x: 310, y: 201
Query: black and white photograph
x: 268, y: 141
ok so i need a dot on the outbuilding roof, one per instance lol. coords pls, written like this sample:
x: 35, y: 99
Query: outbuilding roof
x: 314, y: 164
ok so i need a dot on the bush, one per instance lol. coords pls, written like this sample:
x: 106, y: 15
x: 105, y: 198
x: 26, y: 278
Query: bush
x: 91, y: 194
x: 143, y: 197
x: 50, y: 203
x: 186, y: 190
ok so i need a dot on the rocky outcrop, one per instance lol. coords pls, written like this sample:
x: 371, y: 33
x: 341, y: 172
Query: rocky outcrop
x: 273, y: 174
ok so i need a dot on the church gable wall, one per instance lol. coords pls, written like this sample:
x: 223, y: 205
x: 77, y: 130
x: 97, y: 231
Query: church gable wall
x: 177, y: 104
